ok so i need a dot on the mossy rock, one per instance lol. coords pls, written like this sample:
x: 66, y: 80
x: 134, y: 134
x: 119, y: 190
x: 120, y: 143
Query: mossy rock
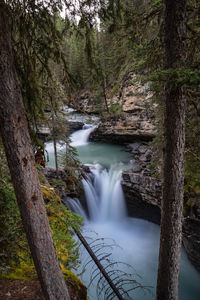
x: 49, y: 194
x: 22, y: 271
x: 77, y: 289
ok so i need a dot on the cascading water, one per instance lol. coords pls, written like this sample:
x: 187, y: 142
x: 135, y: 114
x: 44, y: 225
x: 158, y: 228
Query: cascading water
x: 139, y: 239
x: 104, y: 194
x: 75, y: 205
x: 80, y: 137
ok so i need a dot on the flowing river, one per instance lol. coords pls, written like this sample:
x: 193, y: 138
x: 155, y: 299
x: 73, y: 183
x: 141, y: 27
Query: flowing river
x: 138, y: 240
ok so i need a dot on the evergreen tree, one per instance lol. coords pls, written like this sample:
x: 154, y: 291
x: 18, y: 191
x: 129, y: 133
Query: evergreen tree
x: 173, y: 151
x: 18, y: 148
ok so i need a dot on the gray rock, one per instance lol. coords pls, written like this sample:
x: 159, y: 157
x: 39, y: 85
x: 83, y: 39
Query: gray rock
x: 143, y: 196
x: 136, y: 168
x: 143, y: 148
x: 73, y: 126
x: 143, y: 199
x: 191, y: 240
x: 143, y: 158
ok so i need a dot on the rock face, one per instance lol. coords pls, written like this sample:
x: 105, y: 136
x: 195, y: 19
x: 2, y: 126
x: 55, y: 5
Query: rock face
x: 63, y: 183
x: 142, y: 194
x: 136, y: 120
x: 191, y: 240
x: 73, y: 126
x: 124, y: 129
x: 142, y: 191
x: 143, y: 198
x: 85, y: 103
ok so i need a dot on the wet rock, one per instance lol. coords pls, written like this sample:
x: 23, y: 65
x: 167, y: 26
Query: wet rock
x: 133, y: 147
x: 74, y: 126
x: 64, y: 184
x: 191, y: 240
x: 143, y: 196
x: 136, y: 168
x: 142, y: 148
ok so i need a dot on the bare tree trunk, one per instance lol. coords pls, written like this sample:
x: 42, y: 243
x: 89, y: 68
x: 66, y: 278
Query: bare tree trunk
x: 54, y: 143
x: 173, y: 152
x: 18, y: 148
x: 55, y: 152
x: 99, y: 265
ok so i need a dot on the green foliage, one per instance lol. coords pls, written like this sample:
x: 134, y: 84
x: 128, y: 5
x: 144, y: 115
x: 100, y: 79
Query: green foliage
x: 115, y: 108
x: 10, y: 222
x: 15, y: 258
x: 62, y: 221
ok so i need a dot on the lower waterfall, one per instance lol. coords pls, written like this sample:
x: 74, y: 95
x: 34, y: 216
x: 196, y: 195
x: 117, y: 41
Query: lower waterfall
x: 104, y: 194
x: 106, y: 217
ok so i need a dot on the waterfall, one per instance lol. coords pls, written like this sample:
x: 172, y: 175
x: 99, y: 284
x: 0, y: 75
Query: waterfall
x: 75, y: 205
x: 104, y: 195
x: 138, y: 240
x: 80, y: 137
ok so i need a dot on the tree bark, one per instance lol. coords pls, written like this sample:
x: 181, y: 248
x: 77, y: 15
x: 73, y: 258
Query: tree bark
x: 173, y: 152
x: 18, y: 148
x: 104, y: 94
x: 55, y: 151
x: 99, y: 265
x: 54, y: 143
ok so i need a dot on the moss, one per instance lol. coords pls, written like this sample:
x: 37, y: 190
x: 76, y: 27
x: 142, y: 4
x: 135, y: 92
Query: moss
x: 42, y: 178
x: 49, y: 194
x: 23, y: 271
x: 76, y: 286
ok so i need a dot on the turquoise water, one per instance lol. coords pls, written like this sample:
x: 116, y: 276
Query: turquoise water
x: 92, y: 153
x: 138, y: 239
x: 139, y: 247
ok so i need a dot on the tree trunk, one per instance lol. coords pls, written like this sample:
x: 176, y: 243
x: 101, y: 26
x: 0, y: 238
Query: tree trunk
x: 104, y: 94
x: 55, y: 151
x: 173, y: 152
x: 18, y: 148
x: 54, y: 142
x: 99, y: 265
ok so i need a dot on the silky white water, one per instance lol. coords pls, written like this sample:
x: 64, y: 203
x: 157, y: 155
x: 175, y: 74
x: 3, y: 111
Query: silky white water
x: 80, y: 137
x: 138, y: 239
x: 104, y: 194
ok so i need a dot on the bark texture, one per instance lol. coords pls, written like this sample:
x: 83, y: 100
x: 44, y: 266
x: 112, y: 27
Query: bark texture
x: 17, y: 143
x: 173, y: 152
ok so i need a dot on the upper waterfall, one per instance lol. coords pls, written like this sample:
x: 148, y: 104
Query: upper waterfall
x: 80, y: 137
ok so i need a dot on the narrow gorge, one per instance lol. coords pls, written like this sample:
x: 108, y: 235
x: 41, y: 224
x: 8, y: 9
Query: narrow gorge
x: 121, y: 198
